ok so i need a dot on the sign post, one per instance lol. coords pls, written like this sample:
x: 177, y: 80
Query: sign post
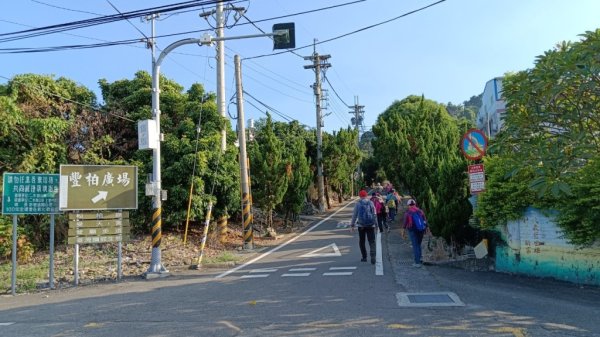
x: 476, y: 178
x: 30, y: 193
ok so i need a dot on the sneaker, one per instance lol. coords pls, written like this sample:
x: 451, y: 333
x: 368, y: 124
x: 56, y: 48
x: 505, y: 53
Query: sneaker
x: 364, y: 259
x: 417, y: 265
x: 372, y: 259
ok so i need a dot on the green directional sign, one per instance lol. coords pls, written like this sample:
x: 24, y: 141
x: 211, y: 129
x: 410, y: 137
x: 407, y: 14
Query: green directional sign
x: 98, y: 187
x: 30, y: 193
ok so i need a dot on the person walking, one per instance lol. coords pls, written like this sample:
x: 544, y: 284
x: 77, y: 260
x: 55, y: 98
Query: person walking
x: 415, y: 223
x: 380, y: 211
x: 364, y: 217
x: 391, y: 201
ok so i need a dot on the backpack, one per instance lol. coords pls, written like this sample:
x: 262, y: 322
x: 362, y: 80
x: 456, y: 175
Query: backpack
x: 365, y: 216
x: 391, y: 203
x: 418, y: 221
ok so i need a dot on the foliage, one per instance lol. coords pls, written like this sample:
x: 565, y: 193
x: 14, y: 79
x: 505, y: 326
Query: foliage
x: 551, y: 135
x: 506, y: 194
x: 342, y: 158
x: 294, y: 138
x: 580, y: 216
x: 417, y: 146
x: 269, y: 169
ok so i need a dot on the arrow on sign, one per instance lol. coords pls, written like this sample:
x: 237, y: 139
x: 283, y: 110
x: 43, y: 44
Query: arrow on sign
x: 101, y: 196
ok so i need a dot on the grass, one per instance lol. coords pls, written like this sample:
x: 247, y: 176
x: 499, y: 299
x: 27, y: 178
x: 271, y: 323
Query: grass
x: 223, y: 257
x: 28, y: 276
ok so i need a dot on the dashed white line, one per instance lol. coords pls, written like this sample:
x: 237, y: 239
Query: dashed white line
x: 303, y: 269
x: 379, y: 260
x: 342, y: 268
x: 295, y: 275
x: 254, y: 275
x: 340, y: 273
x: 263, y: 270
x: 6, y: 323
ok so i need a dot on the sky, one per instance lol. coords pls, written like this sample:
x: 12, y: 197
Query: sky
x: 446, y: 52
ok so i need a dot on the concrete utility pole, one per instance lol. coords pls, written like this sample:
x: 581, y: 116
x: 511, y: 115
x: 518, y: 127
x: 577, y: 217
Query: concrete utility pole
x: 358, y: 111
x: 319, y: 63
x: 246, y: 198
x: 221, y: 71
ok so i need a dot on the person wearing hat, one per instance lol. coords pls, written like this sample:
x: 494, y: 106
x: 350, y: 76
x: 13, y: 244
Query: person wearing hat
x: 364, y: 217
x: 416, y: 236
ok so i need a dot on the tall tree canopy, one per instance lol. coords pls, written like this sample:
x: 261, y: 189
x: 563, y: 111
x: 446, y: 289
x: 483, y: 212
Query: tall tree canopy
x: 417, y: 144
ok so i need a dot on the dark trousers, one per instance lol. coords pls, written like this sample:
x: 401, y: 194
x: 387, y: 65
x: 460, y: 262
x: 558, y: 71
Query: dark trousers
x: 369, y: 233
x: 382, y: 221
x: 416, y: 238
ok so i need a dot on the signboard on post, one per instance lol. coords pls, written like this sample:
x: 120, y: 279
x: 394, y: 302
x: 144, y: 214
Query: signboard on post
x: 30, y: 193
x: 98, y: 187
x: 473, y: 144
x: 476, y: 178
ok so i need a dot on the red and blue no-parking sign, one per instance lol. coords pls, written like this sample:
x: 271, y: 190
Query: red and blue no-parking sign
x: 474, y: 144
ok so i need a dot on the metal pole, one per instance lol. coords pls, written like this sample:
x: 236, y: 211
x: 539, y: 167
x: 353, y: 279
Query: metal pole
x: 76, y: 264
x: 221, y: 71
x: 120, y: 261
x: 13, y: 283
x: 204, y: 235
x: 246, y: 216
x: 51, y: 275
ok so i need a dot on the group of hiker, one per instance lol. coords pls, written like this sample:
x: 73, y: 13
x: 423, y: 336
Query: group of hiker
x: 379, y: 211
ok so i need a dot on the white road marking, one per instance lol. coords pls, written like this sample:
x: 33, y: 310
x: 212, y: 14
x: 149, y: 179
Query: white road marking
x: 295, y: 274
x: 7, y: 323
x: 255, y: 275
x: 303, y: 269
x: 378, y: 259
x: 342, y: 268
x: 314, y: 253
x: 263, y: 271
x: 278, y: 247
x: 341, y: 273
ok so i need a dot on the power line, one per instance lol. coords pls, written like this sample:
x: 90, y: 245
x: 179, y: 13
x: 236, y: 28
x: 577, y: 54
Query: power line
x: 350, y: 33
x: 134, y: 26
x: 334, y: 91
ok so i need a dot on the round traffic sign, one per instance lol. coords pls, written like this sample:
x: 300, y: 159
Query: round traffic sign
x: 473, y: 144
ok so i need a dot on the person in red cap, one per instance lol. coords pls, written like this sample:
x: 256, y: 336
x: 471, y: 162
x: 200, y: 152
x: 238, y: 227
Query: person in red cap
x: 365, y: 218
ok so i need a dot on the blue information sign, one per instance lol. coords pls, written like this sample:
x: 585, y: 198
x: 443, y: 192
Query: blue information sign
x: 30, y: 193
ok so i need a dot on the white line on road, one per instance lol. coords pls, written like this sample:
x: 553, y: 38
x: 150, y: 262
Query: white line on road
x: 7, y: 323
x: 340, y: 273
x: 303, y: 269
x: 263, y: 271
x: 295, y: 274
x: 342, y: 268
x: 282, y: 245
x: 379, y: 259
x: 255, y: 275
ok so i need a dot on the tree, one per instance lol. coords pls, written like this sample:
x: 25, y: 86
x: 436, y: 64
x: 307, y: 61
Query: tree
x: 341, y: 157
x: 417, y: 146
x: 269, y: 169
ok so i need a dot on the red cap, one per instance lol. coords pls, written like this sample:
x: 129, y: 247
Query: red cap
x: 362, y: 193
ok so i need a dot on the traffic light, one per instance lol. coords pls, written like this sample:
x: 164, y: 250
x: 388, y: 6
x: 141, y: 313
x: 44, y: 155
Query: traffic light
x: 285, y: 36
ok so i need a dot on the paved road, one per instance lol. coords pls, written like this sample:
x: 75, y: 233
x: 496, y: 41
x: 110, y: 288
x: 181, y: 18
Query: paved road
x: 313, y: 285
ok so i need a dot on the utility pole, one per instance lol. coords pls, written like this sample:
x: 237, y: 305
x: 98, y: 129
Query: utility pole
x: 221, y: 71
x: 246, y: 198
x: 358, y: 111
x: 319, y: 62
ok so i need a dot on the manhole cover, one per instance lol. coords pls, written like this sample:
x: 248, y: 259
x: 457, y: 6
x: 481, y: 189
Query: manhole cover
x: 438, y: 299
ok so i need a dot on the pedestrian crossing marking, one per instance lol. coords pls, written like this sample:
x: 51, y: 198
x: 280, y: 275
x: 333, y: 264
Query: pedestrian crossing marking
x: 303, y: 269
x: 342, y: 268
x: 271, y: 270
x: 255, y: 275
x: 295, y: 275
x: 339, y: 273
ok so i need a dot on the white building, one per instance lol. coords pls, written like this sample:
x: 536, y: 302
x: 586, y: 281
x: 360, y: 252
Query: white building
x: 490, y: 115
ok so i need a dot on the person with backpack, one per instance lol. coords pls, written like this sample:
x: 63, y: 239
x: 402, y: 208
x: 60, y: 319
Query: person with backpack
x: 391, y: 201
x: 364, y: 217
x: 380, y: 211
x: 415, y: 223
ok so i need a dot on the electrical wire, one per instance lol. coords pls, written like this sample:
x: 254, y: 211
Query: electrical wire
x: 349, y: 33
x: 121, y: 14
x: 334, y: 91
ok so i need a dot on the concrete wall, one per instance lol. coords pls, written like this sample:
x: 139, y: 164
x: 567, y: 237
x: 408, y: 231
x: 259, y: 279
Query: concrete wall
x: 491, y: 112
x: 536, y: 247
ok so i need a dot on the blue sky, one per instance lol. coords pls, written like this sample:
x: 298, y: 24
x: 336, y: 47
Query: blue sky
x: 447, y: 52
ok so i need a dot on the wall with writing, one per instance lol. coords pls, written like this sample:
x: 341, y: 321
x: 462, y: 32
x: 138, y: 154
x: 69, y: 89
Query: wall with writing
x: 536, y: 246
